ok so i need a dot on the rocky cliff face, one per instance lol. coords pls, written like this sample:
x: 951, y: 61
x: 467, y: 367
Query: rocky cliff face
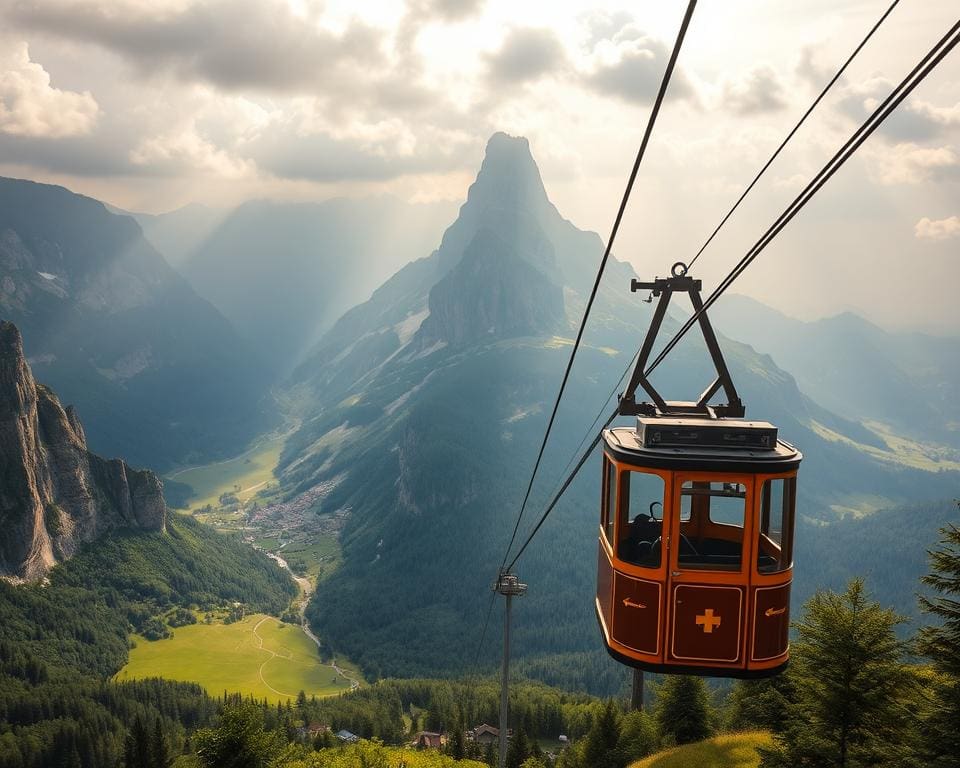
x: 54, y: 493
x: 493, y: 293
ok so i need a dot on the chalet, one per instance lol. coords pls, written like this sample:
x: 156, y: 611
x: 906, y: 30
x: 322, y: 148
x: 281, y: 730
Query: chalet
x: 315, y: 729
x: 486, y: 734
x: 430, y: 740
x: 345, y: 735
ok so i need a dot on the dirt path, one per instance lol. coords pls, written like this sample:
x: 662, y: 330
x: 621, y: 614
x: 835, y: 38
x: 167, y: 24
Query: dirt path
x: 306, y: 589
x: 273, y: 655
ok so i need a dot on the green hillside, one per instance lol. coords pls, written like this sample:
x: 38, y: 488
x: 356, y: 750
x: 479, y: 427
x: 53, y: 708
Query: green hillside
x: 257, y: 656
x: 733, y: 750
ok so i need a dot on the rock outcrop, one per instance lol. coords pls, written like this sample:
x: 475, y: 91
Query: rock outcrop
x: 54, y: 493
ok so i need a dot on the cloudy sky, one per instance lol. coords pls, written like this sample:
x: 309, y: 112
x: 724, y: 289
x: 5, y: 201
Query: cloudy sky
x: 151, y: 104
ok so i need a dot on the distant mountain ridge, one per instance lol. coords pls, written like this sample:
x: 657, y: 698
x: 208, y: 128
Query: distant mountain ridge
x: 282, y: 272
x: 908, y: 381
x: 55, y: 493
x: 159, y: 374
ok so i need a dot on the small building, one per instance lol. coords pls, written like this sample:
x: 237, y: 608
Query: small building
x: 430, y: 740
x: 315, y: 729
x: 485, y: 734
x: 563, y: 739
x: 345, y: 735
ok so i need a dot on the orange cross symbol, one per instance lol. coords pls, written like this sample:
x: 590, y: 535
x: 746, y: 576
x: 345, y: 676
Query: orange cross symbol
x: 708, y: 621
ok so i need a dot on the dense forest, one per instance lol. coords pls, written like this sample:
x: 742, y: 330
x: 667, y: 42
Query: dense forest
x: 857, y: 693
x: 60, y: 642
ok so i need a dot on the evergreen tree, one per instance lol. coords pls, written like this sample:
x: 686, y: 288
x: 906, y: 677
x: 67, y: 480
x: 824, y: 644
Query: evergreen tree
x: 518, y: 749
x: 159, y: 751
x: 239, y: 741
x: 600, y: 749
x: 683, y: 709
x: 761, y: 704
x: 851, y: 684
x: 638, y: 736
x: 136, y: 750
x: 458, y: 748
x: 940, y: 744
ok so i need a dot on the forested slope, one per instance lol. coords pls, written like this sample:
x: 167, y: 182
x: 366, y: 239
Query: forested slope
x: 60, y: 642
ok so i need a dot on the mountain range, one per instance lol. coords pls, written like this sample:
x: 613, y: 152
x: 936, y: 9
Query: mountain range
x: 159, y: 374
x: 422, y: 409
x: 908, y: 383
x: 282, y: 272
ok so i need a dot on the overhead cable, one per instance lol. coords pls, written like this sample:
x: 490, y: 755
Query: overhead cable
x: 796, y: 128
x: 926, y: 65
x: 603, y: 262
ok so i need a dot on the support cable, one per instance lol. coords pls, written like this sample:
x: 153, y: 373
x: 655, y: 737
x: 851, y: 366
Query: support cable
x: 926, y: 65
x: 796, y: 128
x: 603, y: 262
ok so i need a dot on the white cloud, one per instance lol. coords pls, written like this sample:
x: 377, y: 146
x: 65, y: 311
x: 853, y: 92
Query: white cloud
x: 526, y: 54
x: 937, y: 229
x: 759, y: 91
x: 910, y: 163
x: 626, y: 62
x: 31, y: 107
x: 946, y: 117
x: 185, y: 150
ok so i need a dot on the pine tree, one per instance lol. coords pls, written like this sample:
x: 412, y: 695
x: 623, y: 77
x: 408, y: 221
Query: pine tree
x: 761, y: 704
x: 940, y: 730
x: 851, y: 685
x: 458, y: 748
x: 683, y: 709
x: 518, y: 749
x: 600, y: 749
x: 159, y: 751
x: 136, y: 749
x: 638, y: 736
x: 239, y: 741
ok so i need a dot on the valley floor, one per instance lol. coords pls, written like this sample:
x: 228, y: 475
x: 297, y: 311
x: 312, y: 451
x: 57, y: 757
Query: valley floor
x: 258, y: 655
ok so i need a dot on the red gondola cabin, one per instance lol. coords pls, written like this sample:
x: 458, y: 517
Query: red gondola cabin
x: 696, y: 525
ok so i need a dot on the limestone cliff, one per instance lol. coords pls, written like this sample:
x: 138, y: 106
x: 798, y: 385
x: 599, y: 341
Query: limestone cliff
x: 54, y: 493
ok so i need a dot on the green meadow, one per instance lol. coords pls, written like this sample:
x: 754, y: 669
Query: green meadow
x: 733, y: 750
x: 244, y: 475
x: 259, y: 656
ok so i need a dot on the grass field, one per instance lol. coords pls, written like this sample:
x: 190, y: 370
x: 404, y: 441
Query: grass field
x: 734, y: 750
x: 244, y: 475
x: 258, y: 655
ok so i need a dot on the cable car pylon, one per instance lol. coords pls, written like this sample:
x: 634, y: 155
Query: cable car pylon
x: 508, y: 585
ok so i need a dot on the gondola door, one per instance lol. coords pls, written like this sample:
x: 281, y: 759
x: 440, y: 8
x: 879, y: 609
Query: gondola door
x: 709, y: 553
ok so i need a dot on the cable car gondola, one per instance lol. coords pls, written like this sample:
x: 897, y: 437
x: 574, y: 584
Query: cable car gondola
x: 696, y: 525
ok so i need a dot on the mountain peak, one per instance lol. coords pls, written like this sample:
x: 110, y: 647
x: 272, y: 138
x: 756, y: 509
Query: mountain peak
x: 509, y: 176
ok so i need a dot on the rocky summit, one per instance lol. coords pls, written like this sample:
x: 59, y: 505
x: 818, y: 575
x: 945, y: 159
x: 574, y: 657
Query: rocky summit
x: 55, y: 494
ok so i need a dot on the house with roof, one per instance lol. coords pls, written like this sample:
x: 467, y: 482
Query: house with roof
x: 430, y: 740
x: 345, y: 735
x: 486, y: 734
